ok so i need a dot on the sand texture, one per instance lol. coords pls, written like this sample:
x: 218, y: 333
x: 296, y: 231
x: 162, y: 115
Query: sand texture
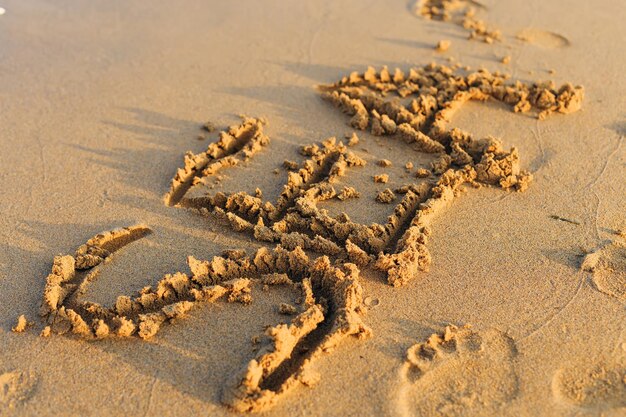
x: 319, y: 208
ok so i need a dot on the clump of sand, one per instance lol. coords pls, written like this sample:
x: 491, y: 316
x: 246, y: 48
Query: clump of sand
x: 461, y: 13
x: 386, y: 196
x: 21, y: 325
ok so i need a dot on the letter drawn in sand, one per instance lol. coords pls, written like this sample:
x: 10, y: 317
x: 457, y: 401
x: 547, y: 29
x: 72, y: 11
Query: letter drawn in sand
x: 234, y: 146
x: 331, y: 306
x: 436, y: 93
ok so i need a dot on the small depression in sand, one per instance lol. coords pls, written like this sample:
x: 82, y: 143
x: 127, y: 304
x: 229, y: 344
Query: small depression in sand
x: 543, y: 38
x: 16, y: 387
x: 607, y: 265
x: 601, y: 387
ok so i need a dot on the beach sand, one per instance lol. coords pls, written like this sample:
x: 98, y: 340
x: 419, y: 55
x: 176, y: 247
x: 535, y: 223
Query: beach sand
x: 520, y: 311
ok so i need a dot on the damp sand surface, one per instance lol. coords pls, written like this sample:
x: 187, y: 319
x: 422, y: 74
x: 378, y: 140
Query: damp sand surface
x: 100, y: 105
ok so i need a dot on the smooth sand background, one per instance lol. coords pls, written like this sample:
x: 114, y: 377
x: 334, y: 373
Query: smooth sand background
x: 100, y: 101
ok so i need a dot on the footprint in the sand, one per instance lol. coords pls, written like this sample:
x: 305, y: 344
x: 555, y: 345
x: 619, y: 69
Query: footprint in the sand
x: 601, y: 387
x: 543, y: 38
x: 607, y: 265
x: 459, y: 371
x: 16, y: 387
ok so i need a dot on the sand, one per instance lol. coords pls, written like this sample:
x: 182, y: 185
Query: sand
x: 451, y: 246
